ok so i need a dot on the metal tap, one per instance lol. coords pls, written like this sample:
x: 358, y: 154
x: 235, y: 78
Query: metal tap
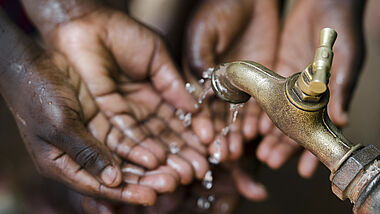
x: 297, y: 106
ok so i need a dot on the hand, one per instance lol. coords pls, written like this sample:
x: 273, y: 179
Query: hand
x: 299, y: 40
x: 135, y: 85
x: 224, y: 31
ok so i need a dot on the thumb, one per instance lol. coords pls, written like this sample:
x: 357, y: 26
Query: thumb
x: 74, y: 140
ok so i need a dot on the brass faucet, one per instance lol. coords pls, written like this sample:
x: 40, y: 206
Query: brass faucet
x: 297, y: 106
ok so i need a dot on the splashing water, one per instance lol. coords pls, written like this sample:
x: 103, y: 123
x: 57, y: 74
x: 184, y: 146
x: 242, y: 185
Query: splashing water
x: 235, y: 110
x: 207, y: 180
x: 174, y: 149
x: 184, y: 117
x: 203, y: 203
x: 207, y: 74
x: 206, y: 90
x: 189, y: 88
x: 215, y: 158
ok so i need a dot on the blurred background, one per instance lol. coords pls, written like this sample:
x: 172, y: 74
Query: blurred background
x: 22, y: 190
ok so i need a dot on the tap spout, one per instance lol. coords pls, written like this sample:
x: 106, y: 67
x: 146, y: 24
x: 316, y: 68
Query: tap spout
x: 305, y: 122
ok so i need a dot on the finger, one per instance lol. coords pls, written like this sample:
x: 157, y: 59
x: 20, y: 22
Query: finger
x: 234, y: 137
x: 130, y: 150
x: 341, y: 85
x: 250, y: 121
x: 199, y: 162
x: 308, y: 164
x: 235, y: 145
x: 153, y: 61
x: 265, y: 124
x: 155, y: 148
x: 281, y: 152
x: 183, y: 168
x: 193, y: 141
x: 160, y: 179
x: 95, y: 206
x: 249, y: 188
x: 88, y: 152
x: 202, y: 126
x: 218, y: 149
x: 266, y: 146
x: 168, y: 82
x: 65, y: 169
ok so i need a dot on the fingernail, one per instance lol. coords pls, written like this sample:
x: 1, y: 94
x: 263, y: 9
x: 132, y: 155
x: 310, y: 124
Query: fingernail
x: 109, y: 175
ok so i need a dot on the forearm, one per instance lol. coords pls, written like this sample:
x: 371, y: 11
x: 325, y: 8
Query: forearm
x: 47, y: 14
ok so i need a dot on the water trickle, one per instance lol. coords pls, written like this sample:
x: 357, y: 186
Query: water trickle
x: 225, y: 130
x: 235, y: 110
x: 215, y: 158
x: 206, y: 90
x: 207, y: 180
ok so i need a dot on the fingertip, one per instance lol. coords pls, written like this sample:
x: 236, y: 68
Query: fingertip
x: 265, y: 124
x: 111, y: 176
x: 137, y: 194
x: 143, y: 157
x: 203, y: 128
x: 235, y: 145
x: 162, y: 183
x: 337, y: 114
x: 265, y: 147
x: 307, y: 165
x: 250, y: 127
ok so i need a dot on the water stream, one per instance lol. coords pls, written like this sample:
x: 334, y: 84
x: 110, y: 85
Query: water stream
x: 205, y: 202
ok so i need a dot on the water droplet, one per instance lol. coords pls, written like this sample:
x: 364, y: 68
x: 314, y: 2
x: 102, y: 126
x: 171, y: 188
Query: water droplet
x: 186, y: 118
x: 29, y: 82
x: 203, y: 203
x: 189, y: 88
x: 201, y: 81
x: 196, y: 106
x: 173, y: 147
x: 207, y: 74
x: 225, y: 130
x: 205, y: 91
x: 211, y: 198
x: 207, y: 180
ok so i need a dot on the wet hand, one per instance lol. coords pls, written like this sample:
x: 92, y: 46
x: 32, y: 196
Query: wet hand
x: 136, y: 87
x: 223, y: 31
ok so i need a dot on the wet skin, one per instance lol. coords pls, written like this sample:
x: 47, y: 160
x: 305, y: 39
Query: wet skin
x: 249, y: 30
x: 222, y: 31
x: 109, y: 102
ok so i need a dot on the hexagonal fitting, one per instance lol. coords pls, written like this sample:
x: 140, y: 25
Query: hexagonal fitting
x: 351, y: 168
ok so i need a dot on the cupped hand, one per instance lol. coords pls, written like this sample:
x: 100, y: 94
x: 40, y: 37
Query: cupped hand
x: 299, y: 39
x: 137, y: 89
x: 223, y: 31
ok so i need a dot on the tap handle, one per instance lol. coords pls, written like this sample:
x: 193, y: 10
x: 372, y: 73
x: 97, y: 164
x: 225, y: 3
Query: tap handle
x: 322, y: 61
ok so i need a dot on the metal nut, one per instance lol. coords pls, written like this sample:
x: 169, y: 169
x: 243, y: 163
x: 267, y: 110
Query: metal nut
x: 351, y: 168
